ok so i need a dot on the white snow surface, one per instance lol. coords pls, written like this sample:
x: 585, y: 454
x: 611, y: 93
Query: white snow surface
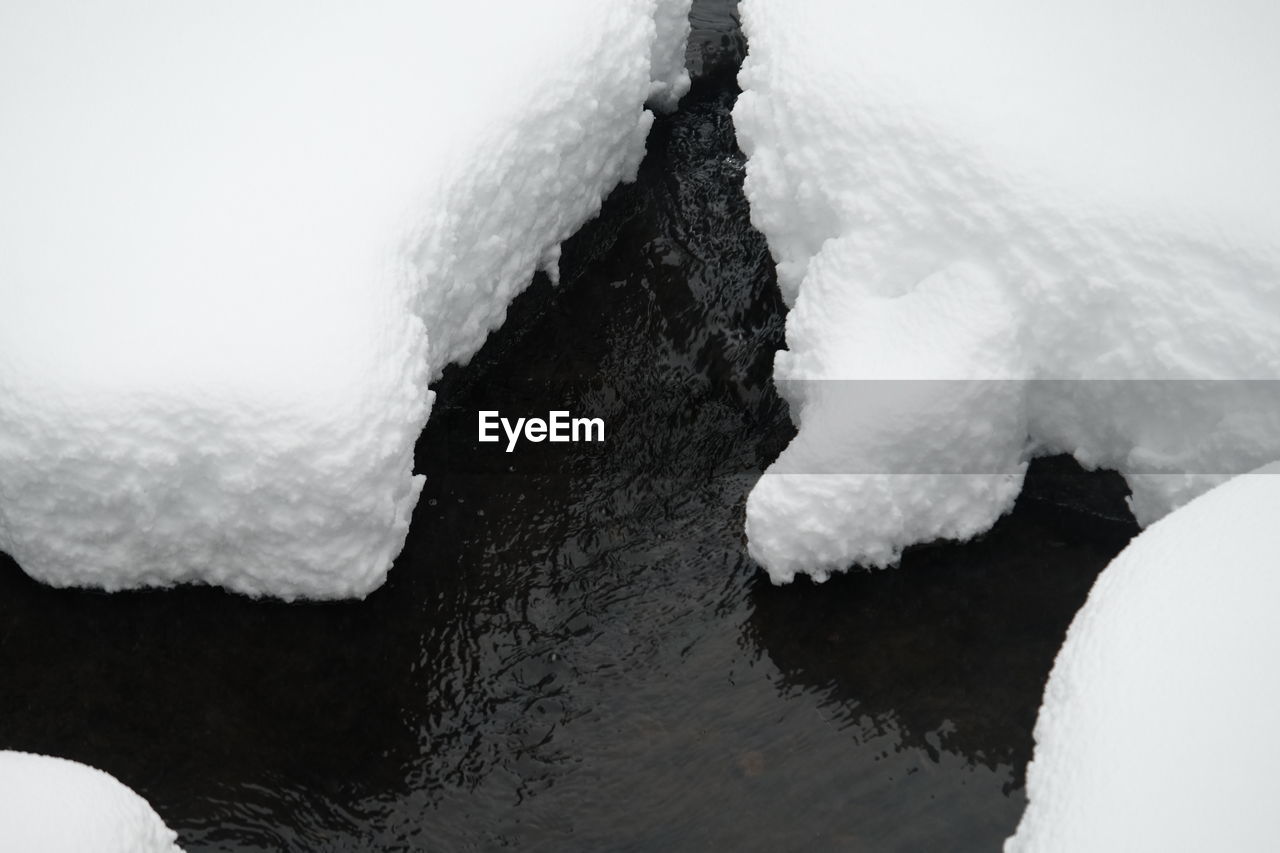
x: 1157, y: 731
x: 1022, y: 200
x: 53, y: 805
x: 237, y: 240
x: 670, y: 76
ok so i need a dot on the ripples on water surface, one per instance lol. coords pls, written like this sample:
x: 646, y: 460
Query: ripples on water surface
x: 577, y: 655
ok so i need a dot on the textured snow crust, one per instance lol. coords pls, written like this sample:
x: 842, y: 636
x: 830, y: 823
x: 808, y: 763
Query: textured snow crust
x: 237, y: 240
x: 670, y: 76
x: 53, y: 805
x: 1157, y: 730
x: 1014, y: 202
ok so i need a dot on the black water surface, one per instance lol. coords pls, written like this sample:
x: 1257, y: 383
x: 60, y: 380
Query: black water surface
x: 573, y: 652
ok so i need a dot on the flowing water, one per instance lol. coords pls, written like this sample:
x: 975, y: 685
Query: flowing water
x: 573, y: 652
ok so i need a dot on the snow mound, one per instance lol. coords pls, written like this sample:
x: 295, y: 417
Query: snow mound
x: 1157, y: 731
x: 58, y: 806
x: 238, y: 240
x: 1047, y: 209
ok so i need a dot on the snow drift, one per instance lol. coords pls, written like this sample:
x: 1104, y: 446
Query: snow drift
x: 237, y: 240
x: 58, y: 806
x: 1157, y: 731
x: 1006, y: 229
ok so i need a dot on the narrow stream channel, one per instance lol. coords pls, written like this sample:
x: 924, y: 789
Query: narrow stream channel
x: 574, y: 652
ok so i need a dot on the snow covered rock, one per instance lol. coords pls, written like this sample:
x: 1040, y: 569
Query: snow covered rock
x: 53, y: 805
x: 237, y: 240
x: 1046, y: 208
x: 1157, y: 731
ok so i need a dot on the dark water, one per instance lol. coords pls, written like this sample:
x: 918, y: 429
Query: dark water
x: 573, y: 652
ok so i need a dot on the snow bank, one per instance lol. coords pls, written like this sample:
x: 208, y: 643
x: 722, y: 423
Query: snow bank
x: 58, y: 806
x: 1022, y: 200
x: 1157, y: 730
x: 237, y: 240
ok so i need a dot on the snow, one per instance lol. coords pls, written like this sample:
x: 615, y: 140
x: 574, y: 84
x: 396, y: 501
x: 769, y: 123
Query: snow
x: 667, y: 67
x: 1049, y: 215
x: 1157, y: 731
x: 238, y: 240
x: 58, y: 806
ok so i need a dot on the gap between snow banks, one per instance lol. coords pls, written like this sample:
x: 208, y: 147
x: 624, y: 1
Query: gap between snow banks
x: 238, y: 241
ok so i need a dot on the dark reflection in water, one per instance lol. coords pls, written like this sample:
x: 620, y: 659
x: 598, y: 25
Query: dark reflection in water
x: 716, y: 42
x: 573, y: 652
x: 941, y: 652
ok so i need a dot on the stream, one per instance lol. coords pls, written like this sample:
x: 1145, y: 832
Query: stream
x: 574, y: 652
